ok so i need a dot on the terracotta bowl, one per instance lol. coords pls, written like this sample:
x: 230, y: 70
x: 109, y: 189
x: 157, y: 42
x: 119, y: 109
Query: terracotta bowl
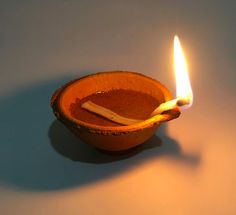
x: 111, y: 138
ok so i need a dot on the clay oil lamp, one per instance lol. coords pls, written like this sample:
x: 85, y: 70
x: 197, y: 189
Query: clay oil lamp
x: 118, y: 110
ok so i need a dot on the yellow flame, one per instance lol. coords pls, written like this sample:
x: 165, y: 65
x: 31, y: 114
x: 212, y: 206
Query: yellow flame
x: 183, y: 86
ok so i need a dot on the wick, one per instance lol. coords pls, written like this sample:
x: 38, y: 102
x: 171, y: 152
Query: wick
x: 94, y: 108
x: 169, y: 105
x: 108, y: 114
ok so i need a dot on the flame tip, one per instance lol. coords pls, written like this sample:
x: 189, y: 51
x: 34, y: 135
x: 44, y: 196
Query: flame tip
x: 176, y: 37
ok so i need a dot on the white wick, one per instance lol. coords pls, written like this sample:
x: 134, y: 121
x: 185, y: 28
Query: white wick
x: 169, y: 105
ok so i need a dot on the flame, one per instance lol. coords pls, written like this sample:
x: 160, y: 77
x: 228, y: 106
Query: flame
x: 183, y: 86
